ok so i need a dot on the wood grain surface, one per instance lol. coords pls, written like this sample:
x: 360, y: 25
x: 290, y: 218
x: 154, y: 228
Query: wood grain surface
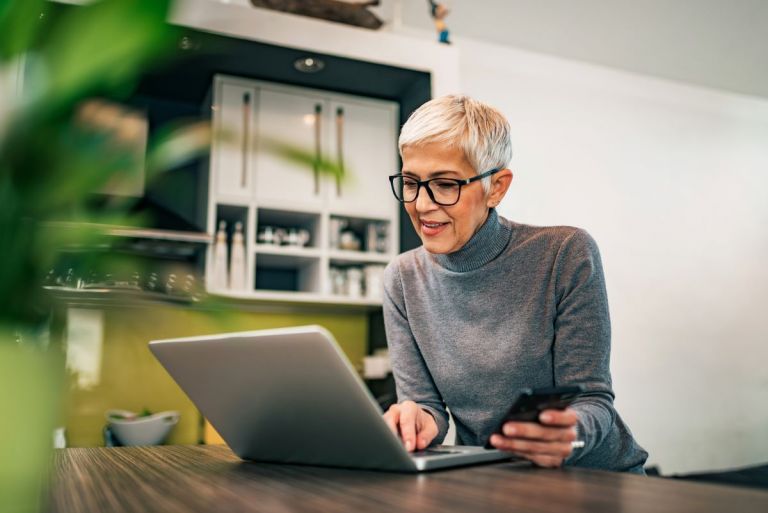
x: 210, y: 479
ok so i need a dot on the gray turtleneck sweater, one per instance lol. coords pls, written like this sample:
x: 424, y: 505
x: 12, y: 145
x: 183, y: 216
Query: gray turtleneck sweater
x: 517, y: 307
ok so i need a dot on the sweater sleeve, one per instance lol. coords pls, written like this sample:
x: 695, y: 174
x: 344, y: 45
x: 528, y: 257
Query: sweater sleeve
x: 582, y: 344
x: 413, y: 380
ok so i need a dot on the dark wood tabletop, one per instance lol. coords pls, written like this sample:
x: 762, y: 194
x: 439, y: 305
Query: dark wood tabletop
x: 193, y: 479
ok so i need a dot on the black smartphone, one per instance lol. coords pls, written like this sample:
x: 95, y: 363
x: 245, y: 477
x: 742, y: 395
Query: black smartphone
x: 531, y: 402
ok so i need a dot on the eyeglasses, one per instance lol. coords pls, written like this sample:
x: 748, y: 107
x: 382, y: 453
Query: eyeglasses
x: 443, y: 191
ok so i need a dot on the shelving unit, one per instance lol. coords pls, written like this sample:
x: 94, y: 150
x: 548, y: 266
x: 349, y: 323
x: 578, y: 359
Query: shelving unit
x: 303, y: 230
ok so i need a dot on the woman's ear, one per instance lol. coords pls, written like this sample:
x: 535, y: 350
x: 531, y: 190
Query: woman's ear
x: 500, y: 183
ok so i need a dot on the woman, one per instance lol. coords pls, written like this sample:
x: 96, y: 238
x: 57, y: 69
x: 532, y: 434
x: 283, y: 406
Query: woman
x: 488, y: 306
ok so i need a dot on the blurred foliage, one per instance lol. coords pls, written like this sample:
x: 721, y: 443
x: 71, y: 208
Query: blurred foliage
x: 52, y: 156
x: 49, y: 159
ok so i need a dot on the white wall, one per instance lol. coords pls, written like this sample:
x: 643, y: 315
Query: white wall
x: 672, y: 181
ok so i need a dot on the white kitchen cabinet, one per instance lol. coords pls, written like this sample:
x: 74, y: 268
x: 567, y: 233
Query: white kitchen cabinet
x: 364, y: 141
x: 301, y: 120
x: 252, y: 184
x: 232, y: 150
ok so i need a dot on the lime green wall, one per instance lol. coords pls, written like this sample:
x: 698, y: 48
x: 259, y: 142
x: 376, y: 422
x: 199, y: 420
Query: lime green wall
x: 132, y: 379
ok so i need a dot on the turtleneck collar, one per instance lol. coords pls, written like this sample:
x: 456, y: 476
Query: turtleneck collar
x: 485, y: 245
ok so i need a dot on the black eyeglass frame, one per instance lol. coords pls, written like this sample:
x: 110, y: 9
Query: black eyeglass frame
x: 425, y: 184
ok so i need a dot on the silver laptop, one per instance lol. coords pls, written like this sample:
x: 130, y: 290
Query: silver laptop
x: 291, y: 396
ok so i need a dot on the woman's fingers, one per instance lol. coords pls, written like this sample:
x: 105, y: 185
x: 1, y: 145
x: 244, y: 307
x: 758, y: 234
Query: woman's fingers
x: 533, y: 431
x: 415, y: 427
x: 563, y: 418
x: 532, y: 447
x: 392, y: 417
x: 547, y: 444
x: 427, y: 429
x: 408, y: 412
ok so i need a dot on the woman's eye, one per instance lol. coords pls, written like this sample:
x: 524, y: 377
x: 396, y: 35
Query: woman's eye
x: 410, y: 184
x: 445, y: 185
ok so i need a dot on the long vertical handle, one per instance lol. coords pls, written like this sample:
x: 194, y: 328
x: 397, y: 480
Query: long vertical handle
x: 339, y: 147
x: 318, y: 146
x: 246, y: 138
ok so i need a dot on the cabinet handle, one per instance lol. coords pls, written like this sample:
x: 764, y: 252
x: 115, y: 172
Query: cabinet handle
x: 318, y: 146
x: 246, y: 137
x: 339, y: 147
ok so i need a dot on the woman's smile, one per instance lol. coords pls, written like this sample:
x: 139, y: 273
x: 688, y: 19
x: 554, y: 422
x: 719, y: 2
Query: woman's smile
x: 432, y: 228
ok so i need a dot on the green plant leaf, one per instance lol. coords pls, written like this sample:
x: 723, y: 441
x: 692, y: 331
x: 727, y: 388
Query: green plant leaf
x: 103, y: 45
x: 19, y: 24
x: 302, y: 156
x: 49, y: 161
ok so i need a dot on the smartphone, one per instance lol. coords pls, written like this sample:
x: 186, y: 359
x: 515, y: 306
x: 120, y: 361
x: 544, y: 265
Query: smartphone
x: 531, y: 402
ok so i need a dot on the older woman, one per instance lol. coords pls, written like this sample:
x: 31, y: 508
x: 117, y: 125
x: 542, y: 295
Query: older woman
x: 488, y: 306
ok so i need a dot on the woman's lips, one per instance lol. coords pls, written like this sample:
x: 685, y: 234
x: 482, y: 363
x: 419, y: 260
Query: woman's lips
x: 431, y: 229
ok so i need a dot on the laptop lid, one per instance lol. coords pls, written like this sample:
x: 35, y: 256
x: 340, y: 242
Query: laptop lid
x: 284, y: 395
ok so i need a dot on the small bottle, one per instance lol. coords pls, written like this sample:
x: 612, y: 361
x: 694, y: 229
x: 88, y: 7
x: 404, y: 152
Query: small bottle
x: 354, y: 282
x: 171, y: 285
x: 69, y: 280
x: 219, y: 280
x: 50, y: 278
x: 237, y: 263
x: 152, y: 282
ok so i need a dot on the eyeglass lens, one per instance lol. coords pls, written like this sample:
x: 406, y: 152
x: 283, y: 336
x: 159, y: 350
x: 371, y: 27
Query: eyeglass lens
x: 444, y: 191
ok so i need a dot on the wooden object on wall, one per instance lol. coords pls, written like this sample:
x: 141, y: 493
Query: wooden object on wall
x: 332, y: 10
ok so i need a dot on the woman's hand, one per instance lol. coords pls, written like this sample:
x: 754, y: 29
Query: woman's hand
x: 547, y: 444
x: 415, y: 427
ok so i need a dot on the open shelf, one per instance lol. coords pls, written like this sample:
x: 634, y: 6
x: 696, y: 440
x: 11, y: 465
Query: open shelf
x: 287, y: 273
x: 283, y: 260
x: 286, y: 227
x: 362, y: 235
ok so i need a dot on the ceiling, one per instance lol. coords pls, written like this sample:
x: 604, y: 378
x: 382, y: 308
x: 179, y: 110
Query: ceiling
x: 721, y: 44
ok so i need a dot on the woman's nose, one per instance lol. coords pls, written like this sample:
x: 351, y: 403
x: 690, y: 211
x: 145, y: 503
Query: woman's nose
x: 424, y: 201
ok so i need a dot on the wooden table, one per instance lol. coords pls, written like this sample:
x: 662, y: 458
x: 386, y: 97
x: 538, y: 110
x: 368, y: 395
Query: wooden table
x: 192, y: 479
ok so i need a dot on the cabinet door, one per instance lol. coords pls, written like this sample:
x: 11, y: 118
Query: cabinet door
x: 364, y: 140
x: 298, y: 120
x: 232, y: 151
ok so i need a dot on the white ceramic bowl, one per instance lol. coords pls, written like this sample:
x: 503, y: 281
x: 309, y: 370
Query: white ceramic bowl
x: 150, y: 430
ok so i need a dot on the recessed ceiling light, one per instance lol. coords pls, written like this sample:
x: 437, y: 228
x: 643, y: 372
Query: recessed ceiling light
x: 308, y: 64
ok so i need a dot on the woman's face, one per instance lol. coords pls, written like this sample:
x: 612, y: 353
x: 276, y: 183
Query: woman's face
x: 445, y: 229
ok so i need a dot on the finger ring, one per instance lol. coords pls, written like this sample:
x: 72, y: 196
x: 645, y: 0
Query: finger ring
x: 577, y: 444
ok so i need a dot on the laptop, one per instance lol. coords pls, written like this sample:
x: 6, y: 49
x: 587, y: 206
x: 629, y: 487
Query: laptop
x: 291, y: 396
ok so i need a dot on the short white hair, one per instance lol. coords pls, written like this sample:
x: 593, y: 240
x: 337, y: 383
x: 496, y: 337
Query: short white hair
x: 481, y: 131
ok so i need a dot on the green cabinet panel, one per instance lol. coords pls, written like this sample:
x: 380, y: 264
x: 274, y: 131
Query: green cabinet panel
x: 110, y: 366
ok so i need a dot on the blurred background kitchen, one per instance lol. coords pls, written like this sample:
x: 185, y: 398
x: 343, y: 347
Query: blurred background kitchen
x: 645, y: 123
